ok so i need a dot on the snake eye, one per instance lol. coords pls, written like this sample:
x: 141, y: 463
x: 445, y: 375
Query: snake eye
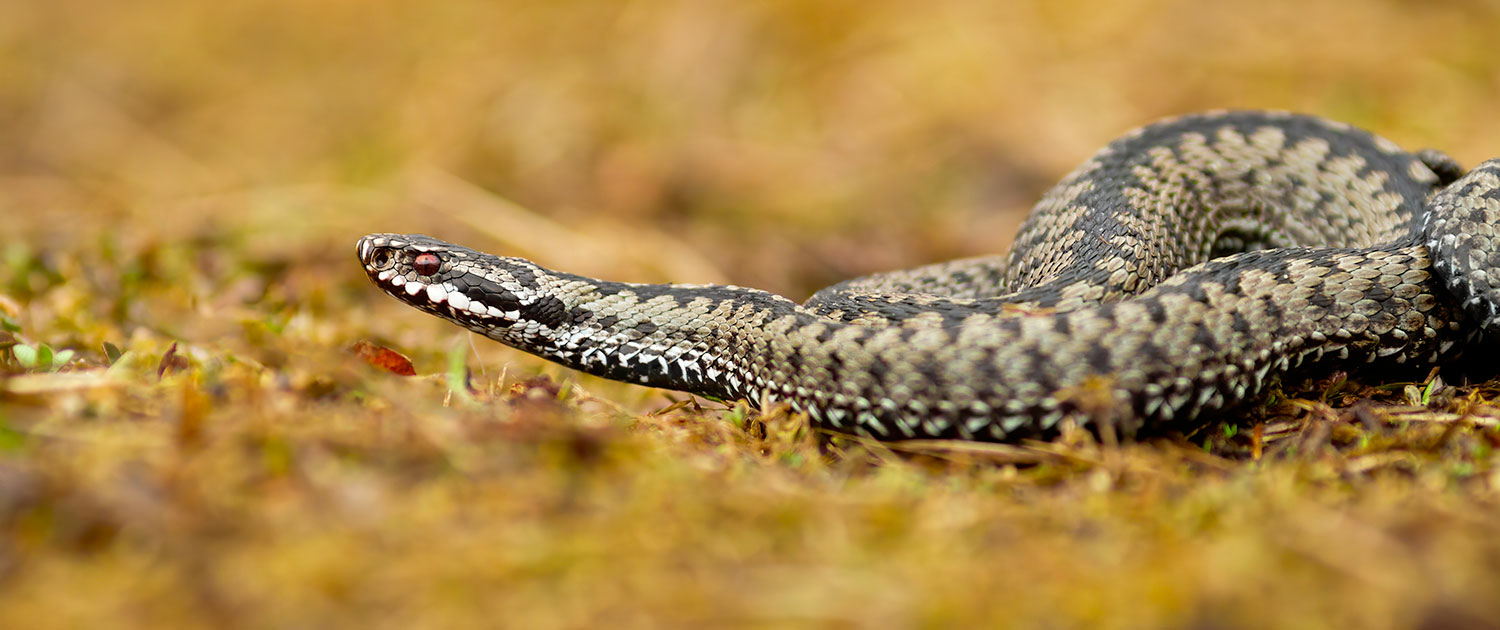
x: 381, y: 259
x: 426, y: 264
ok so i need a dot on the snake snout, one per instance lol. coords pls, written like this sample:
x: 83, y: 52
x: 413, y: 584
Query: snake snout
x: 363, y: 248
x: 371, y: 244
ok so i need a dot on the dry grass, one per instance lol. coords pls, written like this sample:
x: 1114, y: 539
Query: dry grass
x: 194, y: 175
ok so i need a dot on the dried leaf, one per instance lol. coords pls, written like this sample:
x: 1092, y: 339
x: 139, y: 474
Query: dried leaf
x: 170, y: 362
x: 384, y: 358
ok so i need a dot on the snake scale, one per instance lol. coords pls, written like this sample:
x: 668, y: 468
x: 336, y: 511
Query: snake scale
x: 1172, y: 275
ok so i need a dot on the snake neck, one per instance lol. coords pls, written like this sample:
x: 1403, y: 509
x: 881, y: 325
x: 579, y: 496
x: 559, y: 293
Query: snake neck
x: 701, y: 339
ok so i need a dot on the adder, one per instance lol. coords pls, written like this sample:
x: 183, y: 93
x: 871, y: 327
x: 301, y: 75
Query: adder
x: 1171, y: 276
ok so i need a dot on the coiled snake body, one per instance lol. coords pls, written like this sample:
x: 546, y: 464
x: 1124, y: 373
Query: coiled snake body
x: 1171, y: 275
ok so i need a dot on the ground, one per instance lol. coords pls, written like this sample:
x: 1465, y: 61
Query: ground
x: 189, y: 436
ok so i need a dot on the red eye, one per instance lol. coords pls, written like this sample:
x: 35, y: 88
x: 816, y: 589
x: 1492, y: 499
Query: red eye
x: 426, y: 264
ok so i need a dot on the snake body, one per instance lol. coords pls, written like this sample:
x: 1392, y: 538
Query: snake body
x: 1172, y: 275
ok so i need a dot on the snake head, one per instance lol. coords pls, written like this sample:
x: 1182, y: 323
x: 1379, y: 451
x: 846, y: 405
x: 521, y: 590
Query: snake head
x: 499, y: 297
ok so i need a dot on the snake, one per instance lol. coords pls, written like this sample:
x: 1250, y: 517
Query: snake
x: 1162, y: 285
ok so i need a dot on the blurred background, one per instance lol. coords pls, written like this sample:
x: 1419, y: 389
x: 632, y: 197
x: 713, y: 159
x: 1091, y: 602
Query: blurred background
x: 783, y: 144
x: 185, y: 180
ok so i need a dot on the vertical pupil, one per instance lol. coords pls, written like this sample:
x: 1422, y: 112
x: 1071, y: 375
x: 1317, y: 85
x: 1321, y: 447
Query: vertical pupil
x: 426, y: 264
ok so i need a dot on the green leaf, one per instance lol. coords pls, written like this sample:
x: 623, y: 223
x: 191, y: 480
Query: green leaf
x: 458, y: 370
x: 44, y: 356
x: 9, y: 324
x: 127, y: 361
x: 25, y: 355
x: 61, y: 358
x: 737, y: 416
x: 1427, y: 391
x: 112, y: 352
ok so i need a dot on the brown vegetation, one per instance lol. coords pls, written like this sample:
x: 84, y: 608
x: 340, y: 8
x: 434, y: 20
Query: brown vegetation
x: 187, y: 438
